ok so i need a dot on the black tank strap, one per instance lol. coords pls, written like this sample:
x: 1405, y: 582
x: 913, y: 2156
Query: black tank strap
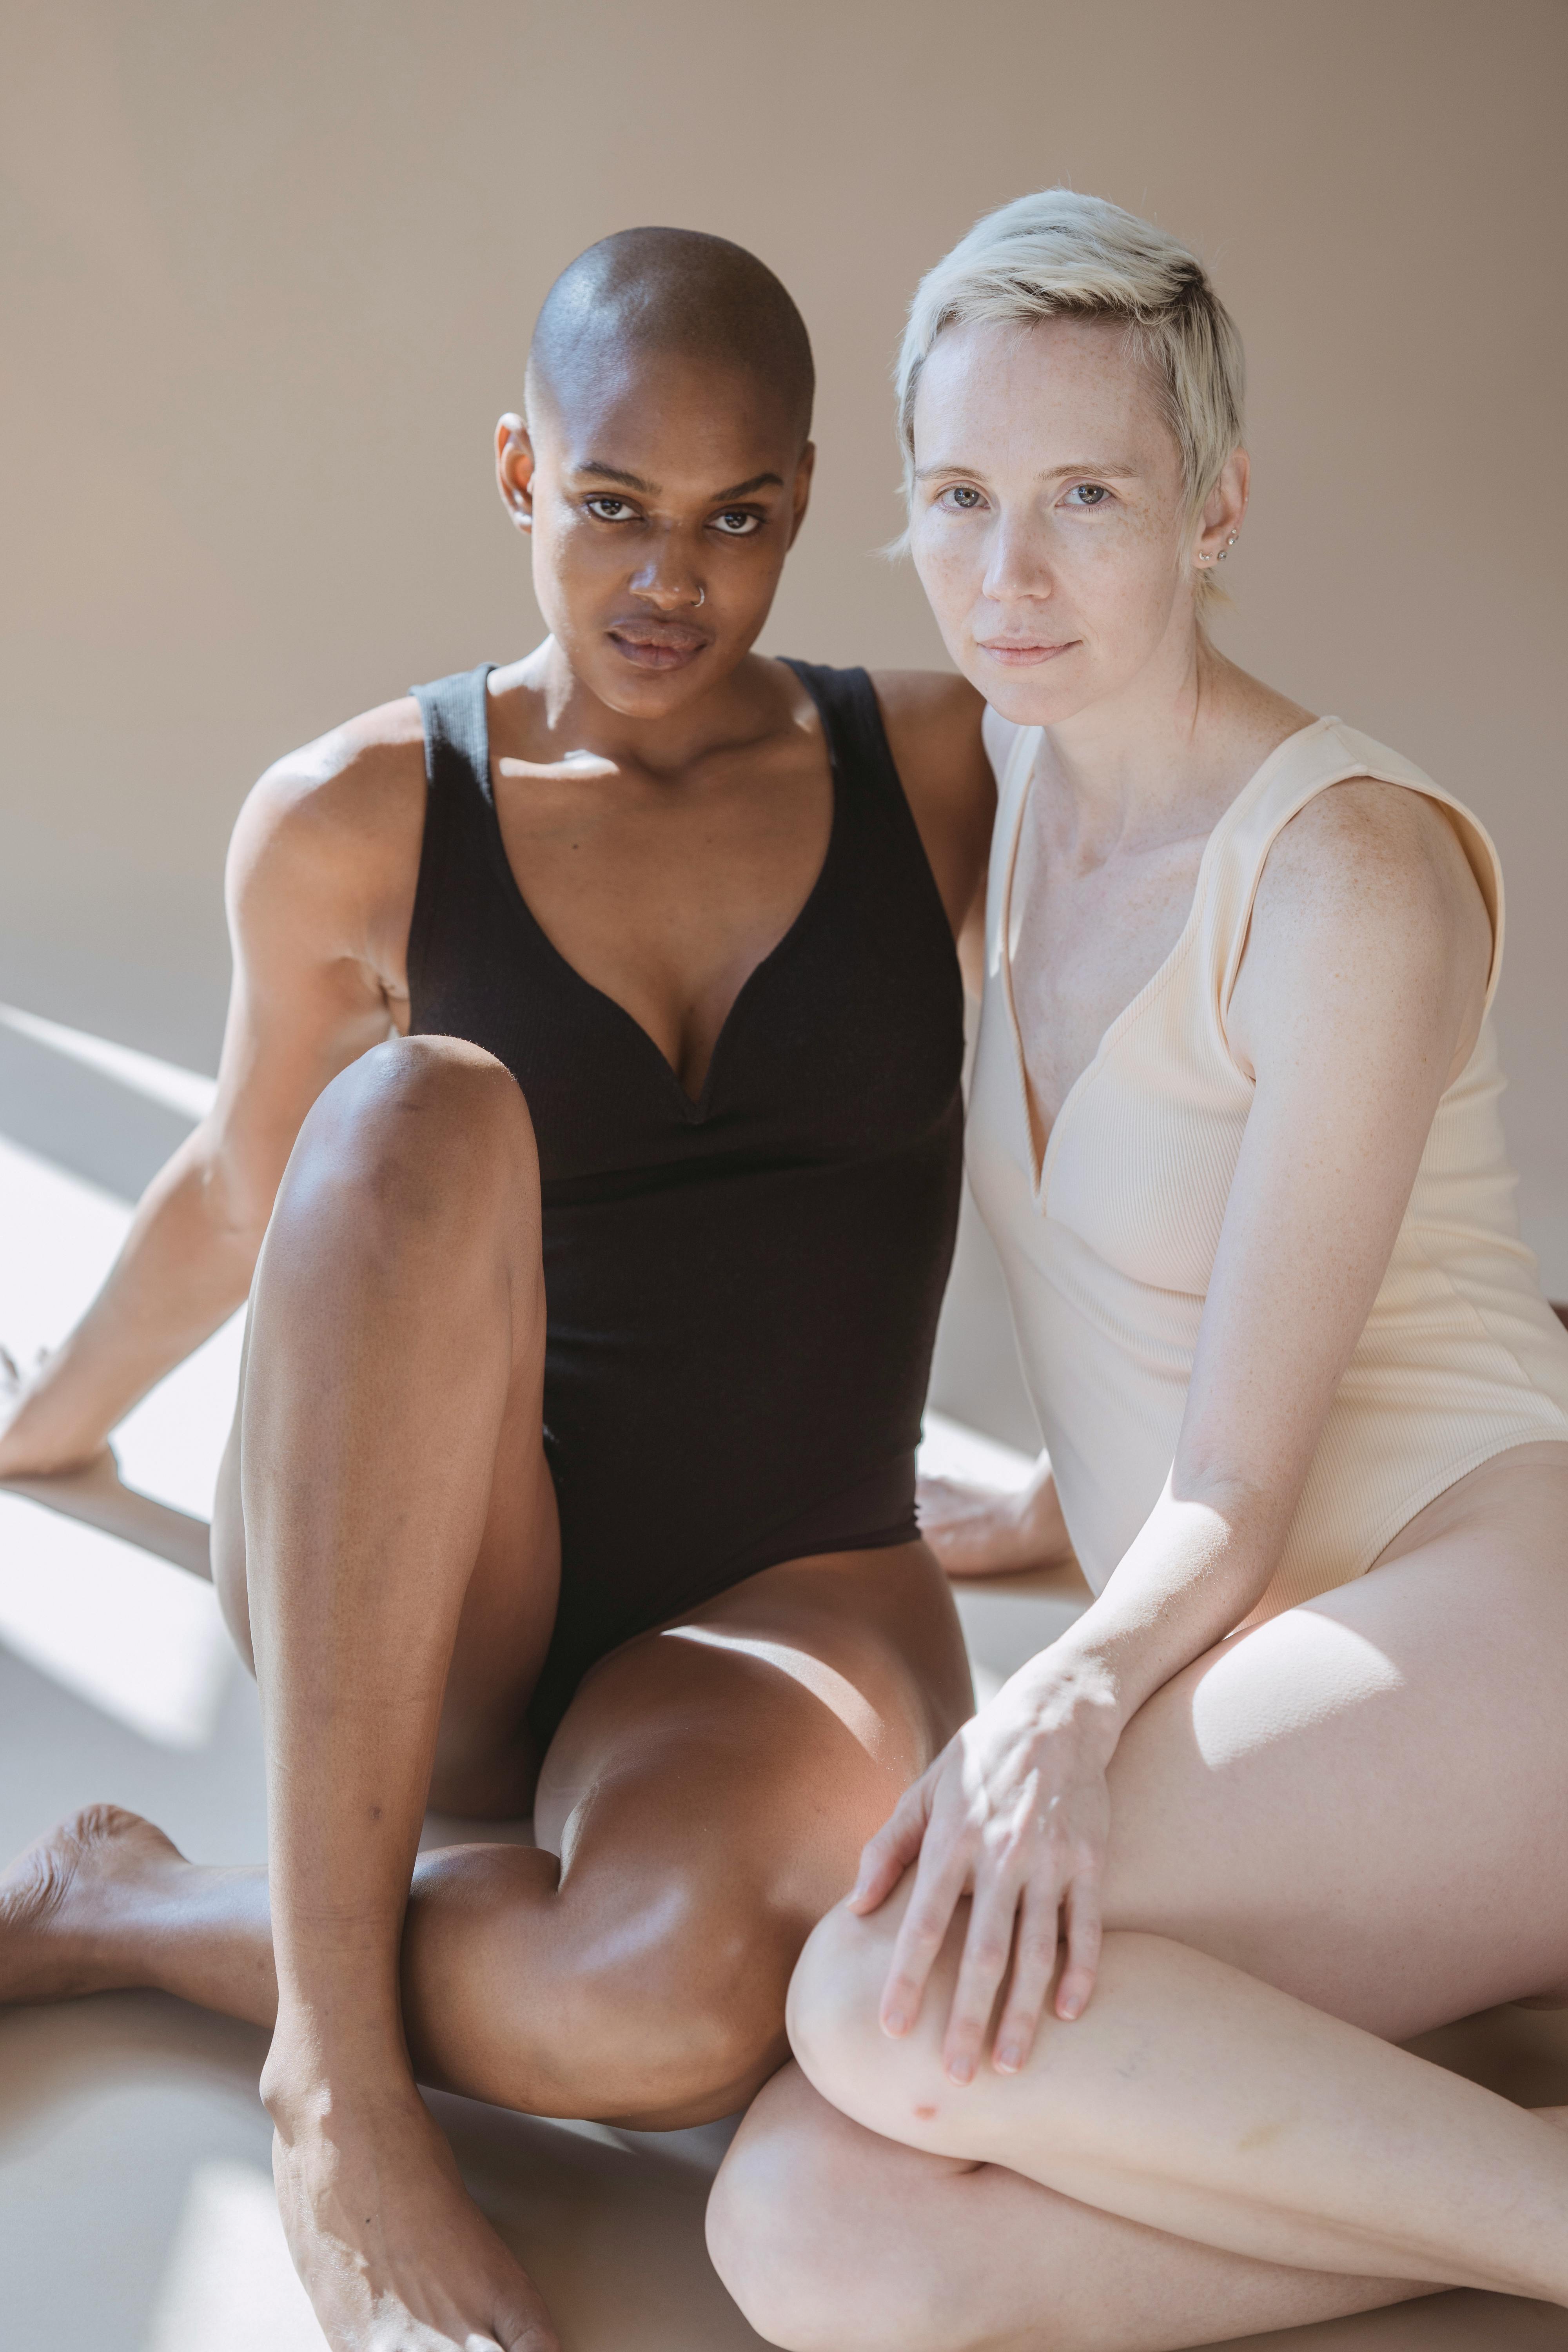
x: 457, y: 816
x: 457, y: 739
x: 852, y: 722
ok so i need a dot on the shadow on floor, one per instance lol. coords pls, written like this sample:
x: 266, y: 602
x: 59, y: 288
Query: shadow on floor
x: 97, y: 1498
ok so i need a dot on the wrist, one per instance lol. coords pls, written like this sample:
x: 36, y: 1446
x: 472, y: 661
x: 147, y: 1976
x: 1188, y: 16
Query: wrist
x: 1073, y: 1687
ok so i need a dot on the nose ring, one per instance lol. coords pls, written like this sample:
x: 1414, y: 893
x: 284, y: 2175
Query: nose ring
x: 701, y: 597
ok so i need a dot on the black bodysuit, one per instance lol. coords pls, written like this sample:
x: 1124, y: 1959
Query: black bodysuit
x: 742, y: 1292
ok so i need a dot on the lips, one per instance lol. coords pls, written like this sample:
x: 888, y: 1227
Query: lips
x: 1022, y: 653
x: 658, y: 645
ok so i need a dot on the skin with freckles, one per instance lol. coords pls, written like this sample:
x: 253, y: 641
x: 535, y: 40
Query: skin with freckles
x: 386, y: 1542
x: 1106, y: 2022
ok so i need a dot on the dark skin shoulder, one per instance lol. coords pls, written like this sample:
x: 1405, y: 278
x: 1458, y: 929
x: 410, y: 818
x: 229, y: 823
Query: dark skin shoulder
x: 933, y: 728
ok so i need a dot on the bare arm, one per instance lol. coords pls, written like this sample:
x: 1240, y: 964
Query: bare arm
x: 1359, y: 1001
x: 321, y: 874
x: 1360, y: 998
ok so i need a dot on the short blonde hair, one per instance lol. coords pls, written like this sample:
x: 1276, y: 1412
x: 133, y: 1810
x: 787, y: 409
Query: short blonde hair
x: 1058, y: 254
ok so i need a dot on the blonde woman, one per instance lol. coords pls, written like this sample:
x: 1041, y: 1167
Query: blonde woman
x: 1100, y: 2052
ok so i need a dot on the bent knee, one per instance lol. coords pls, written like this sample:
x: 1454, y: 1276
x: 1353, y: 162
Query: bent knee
x: 420, y: 1129
x: 897, y: 2087
x: 688, y: 2015
x: 808, y: 2228
x: 419, y: 1091
x: 781, y: 2244
x: 833, y: 2025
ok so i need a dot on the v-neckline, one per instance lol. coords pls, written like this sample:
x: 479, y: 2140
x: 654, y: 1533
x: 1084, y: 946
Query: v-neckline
x: 694, y: 1107
x: 1041, y: 1163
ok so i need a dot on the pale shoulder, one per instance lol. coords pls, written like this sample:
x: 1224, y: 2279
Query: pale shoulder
x: 1366, y: 899
x: 1365, y: 849
x: 329, y: 837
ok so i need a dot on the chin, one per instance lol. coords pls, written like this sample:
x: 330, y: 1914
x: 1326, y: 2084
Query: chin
x: 646, y: 693
x: 1030, y: 698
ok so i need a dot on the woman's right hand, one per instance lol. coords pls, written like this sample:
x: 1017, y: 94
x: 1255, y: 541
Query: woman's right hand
x: 990, y: 1530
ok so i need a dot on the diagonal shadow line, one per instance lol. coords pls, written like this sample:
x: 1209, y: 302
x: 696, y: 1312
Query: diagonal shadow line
x: 97, y: 1496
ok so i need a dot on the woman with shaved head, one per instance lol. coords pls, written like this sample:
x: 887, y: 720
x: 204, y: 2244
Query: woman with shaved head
x: 589, y: 1120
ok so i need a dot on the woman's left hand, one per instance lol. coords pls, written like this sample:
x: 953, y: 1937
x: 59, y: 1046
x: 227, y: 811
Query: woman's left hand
x: 1014, y: 1814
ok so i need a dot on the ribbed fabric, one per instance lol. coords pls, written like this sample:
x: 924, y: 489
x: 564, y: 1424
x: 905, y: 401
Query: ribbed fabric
x: 1109, y: 1247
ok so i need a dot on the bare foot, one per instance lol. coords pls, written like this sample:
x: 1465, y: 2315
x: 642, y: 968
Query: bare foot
x: 394, y: 2255
x: 62, y: 1900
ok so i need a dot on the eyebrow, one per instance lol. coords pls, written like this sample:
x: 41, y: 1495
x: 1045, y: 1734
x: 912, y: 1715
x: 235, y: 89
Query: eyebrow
x: 1120, y: 470
x: 635, y: 482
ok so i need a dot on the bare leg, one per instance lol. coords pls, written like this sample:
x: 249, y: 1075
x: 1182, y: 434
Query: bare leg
x: 1204, y: 2102
x: 1419, y: 1705
x: 643, y: 1978
x: 394, y: 1349
x: 396, y: 1326
x: 830, y: 2236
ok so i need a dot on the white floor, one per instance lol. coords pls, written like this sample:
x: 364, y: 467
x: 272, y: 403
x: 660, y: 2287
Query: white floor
x: 135, y: 2200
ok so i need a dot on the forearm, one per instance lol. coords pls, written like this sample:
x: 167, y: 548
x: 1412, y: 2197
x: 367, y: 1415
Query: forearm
x: 1192, y: 1573
x: 184, y: 1266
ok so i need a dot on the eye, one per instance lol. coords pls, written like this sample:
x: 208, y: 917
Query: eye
x: 962, y: 497
x: 1088, y: 493
x: 608, y: 509
x: 737, y: 522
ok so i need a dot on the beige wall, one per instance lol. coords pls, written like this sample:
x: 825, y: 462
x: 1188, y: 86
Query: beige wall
x: 268, y: 272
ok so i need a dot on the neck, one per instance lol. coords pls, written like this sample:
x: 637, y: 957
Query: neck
x: 1136, y: 761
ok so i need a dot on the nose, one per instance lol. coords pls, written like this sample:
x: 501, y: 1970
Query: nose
x: 666, y: 581
x: 1018, y: 562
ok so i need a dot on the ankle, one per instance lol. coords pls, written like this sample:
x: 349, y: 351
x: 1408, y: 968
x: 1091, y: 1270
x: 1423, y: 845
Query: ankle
x: 310, y: 2091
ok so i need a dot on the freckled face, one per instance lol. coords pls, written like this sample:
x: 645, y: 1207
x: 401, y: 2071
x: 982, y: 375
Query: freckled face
x: 661, y: 508
x: 1049, y: 527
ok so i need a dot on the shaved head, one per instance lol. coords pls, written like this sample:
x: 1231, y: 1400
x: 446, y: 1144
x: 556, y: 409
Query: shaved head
x: 670, y: 291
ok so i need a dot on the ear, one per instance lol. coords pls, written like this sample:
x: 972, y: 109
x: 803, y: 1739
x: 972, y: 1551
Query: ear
x: 515, y: 469
x: 802, y: 474
x: 1223, y: 513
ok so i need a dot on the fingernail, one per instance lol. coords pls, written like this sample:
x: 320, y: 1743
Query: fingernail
x: 961, y: 2069
x: 896, y: 2021
x: 1009, y: 2058
x: 1069, y: 2009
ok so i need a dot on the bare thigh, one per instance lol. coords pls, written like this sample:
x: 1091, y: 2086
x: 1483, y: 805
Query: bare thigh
x: 702, y: 1804
x: 1365, y: 1801
x: 862, y: 1651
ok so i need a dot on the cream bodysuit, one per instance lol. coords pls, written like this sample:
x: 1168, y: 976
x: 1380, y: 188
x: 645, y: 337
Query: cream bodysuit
x: 1108, y: 1244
